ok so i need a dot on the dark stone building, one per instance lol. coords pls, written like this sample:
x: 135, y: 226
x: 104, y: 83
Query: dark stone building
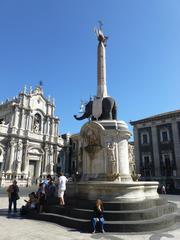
x: 157, y: 148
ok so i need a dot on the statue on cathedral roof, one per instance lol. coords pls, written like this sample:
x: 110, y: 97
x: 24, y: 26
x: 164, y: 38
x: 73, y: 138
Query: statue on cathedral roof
x: 38, y: 90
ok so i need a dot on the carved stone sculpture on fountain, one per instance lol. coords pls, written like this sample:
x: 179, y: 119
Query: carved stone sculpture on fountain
x: 112, y: 162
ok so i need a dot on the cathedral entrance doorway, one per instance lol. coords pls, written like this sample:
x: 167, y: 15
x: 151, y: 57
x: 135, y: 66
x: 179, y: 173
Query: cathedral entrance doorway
x: 32, y: 171
x: 34, y: 166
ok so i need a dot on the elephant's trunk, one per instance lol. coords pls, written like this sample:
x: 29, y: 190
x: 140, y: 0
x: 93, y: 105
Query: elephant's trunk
x: 87, y: 113
x: 81, y: 117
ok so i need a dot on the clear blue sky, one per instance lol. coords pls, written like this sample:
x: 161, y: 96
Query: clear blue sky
x: 53, y: 41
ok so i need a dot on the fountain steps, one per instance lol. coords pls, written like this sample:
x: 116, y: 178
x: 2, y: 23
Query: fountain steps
x: 143, y: 218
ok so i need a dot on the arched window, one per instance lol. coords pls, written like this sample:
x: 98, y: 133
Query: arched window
x: 37, y: 123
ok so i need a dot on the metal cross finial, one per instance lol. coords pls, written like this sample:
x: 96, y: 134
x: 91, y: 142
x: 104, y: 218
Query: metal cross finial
x: 100, y: 24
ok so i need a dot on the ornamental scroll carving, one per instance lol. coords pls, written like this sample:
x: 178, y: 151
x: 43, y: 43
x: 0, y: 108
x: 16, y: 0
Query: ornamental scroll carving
x: 91, y: 139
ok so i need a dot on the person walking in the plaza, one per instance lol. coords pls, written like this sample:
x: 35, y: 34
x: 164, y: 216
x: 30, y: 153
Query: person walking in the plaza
x: 62, y: 188
x: 98, y: 216
x: 163, y: 189
x: 13, y: 196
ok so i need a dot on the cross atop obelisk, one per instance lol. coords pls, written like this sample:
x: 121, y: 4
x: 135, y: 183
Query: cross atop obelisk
x: 101, y: 62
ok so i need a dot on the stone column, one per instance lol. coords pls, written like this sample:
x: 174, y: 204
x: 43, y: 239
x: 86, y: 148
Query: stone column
x: 51, y: 162
x: 55, y: 155
x: 101, y: 70
x: 52, y: 127
x: 15, y: 120
x: 117, y: 162
x: 156, y: 151
x: 16, y: 117
x: 11, y: 156
x: 4, y: 162
x: 22, y: 119
x: 40, y: 166
x: 48, y: 109
x: 27, y: 121
x: 136, y: 150
x: 19, y: 158
x: 12, y: 120
x: 45, y: 160
x: 123, y: 157
x: 56, y: 128
x: 42, y: 125
x: 25, y: 163
x: 22, y: 127
x: 176, y: 146
x: 53, y: 110
x: 47, y: 126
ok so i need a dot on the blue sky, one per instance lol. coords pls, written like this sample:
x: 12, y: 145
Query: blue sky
x: 53, y: 41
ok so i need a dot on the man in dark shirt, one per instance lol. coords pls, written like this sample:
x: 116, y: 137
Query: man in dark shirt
x: 13, y: 190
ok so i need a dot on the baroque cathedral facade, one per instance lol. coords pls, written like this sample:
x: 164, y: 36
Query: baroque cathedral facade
x: 29, y: 138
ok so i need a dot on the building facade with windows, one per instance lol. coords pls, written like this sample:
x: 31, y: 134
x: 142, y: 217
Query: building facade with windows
x: 29, y: 138
x: 157, y: 148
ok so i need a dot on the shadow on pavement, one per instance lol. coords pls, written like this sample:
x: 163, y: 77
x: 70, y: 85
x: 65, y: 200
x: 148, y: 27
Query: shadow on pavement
x: 105, y: 236
x: 4, y: 213
x: 159, y: 236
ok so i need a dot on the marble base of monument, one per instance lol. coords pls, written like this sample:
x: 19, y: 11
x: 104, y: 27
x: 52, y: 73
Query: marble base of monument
x: 113, y: 191
x: 104, y: 146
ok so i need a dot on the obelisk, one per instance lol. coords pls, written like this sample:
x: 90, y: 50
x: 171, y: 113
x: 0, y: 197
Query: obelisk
x: 101, y: 64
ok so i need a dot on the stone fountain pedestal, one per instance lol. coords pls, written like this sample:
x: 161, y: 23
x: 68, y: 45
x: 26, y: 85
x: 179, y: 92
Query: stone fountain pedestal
x: 106, y: 173
x: 105, y: 151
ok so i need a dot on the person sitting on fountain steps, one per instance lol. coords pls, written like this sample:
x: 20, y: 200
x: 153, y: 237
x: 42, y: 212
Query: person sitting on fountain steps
x: 98, y: 216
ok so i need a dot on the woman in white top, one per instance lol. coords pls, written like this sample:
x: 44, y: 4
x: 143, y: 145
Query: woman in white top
x: 61, y: 188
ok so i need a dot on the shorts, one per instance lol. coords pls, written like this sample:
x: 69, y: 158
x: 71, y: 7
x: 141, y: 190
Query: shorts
x: 61, y: 193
